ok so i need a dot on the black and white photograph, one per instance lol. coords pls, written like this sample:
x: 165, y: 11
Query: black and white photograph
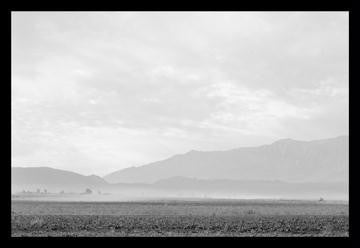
x: 179, y: 124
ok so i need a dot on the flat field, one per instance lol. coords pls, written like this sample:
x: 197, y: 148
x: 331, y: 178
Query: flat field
x: 180, y: 218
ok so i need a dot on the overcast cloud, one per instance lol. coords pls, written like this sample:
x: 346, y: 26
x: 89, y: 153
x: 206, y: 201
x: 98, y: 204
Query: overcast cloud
x: 97, y: 92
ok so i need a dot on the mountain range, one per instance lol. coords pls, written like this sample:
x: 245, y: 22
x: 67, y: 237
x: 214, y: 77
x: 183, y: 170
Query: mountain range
x: 325, y: 160
x: 286, y: 168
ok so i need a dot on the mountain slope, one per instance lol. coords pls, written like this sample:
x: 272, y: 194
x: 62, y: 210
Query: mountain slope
x: 288, y: 160
x: 52, y: 179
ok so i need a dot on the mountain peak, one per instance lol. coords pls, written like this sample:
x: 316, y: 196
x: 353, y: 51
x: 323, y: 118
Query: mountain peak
x: 285, y: 141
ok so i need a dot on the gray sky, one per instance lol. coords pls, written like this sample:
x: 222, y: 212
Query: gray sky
x: 96, y: 92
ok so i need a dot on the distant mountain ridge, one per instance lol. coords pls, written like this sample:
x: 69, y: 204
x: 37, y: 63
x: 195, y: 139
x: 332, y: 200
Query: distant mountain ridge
x: 225, y: 184
x: 55, y: 181
x: 226, y: 187
x: 325, y: 160
x: 46, y: 177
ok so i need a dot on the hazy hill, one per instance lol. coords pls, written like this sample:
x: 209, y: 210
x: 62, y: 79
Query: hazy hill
x: 288, y: 160
x: 52, y: 179
x: 252, y: 188
x: 56, y: 180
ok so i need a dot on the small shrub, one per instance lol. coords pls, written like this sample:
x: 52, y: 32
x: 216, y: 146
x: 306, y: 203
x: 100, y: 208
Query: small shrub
x: 251, y: 212
x: 36, y: 222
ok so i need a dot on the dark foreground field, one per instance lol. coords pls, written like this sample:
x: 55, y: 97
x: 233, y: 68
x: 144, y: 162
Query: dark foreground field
x: 179, y: 218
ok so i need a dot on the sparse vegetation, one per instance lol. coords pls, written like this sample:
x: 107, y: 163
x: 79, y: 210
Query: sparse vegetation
x: 176, y: 219
x: 88, y: 191
x: 182, y: 225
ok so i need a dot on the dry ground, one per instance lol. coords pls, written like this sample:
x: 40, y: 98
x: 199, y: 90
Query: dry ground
x: 179, y: 218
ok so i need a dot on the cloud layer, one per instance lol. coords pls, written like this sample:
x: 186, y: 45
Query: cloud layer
x: 95, y: 92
